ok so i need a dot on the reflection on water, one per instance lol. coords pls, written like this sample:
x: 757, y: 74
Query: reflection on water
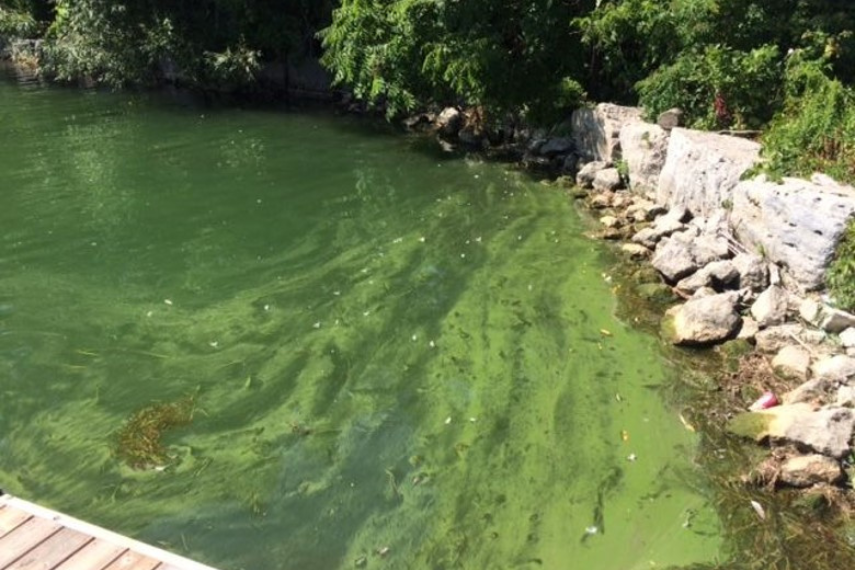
x: 397, y: 360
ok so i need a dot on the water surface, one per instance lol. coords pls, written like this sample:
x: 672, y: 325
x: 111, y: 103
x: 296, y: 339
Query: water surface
x: 397, y: 358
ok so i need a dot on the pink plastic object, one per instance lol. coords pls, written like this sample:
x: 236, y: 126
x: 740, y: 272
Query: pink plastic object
x: 764, y: 402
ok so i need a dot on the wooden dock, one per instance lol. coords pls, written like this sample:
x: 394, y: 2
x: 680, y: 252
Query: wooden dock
x: 36, y: 538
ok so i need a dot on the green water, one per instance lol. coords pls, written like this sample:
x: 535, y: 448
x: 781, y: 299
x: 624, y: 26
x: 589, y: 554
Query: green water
x: 389, y: 350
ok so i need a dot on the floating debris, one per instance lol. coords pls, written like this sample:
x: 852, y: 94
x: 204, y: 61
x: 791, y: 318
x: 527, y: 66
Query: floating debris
x: 686, y: 424
x: 167, y: 302
x: 758, y: 508
x: 432, y: 344
x: 624, y: 435
x: 317, y: 325
x: 383, y: 551
x: 631, y: 457
x: 605, y: 332
x: 591, y: 530
x: 448, y: 420
x: 764, y: 402
x: 138, y: 443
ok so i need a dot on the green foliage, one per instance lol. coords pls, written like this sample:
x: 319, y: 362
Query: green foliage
x: 841, y: 272
x: 717, y: 87
x: 816, y: 130
x: 16, y: 24
x: 499, y: 55
x: 209, y: 42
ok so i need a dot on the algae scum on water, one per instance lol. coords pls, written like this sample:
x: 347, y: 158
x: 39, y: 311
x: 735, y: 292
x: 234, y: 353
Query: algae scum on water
x: 397, y: 358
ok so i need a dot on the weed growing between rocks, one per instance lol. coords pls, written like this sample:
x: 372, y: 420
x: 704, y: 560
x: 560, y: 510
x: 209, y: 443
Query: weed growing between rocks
x: 841, y: 272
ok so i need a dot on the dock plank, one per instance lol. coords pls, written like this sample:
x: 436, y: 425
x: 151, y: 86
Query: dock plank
x: 96, y: 555
x: 44, y: 539
x: 133, y: 561
x: 54, y: 550
x: 11, y: 518
x: 24, y: 538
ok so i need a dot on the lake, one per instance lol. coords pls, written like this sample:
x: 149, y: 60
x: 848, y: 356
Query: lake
x: 390, y: 357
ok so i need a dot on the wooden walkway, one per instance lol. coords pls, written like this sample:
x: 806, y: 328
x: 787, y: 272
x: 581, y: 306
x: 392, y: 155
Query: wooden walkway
x: 36, y: 538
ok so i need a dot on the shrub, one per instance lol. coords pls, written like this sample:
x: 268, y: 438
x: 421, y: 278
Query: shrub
x: 15, y: 24
x: 816, y: 130
x: 717, y: 87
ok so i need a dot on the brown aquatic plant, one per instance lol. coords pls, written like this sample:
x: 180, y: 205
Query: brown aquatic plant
x: 139, y: 442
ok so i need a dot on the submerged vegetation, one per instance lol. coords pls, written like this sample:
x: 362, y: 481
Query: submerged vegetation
x: 140, y: 441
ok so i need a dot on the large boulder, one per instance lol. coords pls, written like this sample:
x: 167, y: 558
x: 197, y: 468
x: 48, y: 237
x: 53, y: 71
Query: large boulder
x: 674, y: 258
x: 839, y: 368
x: 596, y: 132
x: 702, y: 169
x: 586, y: 175
x: 644, y: 148
x: 792, y: 362
x: 797, y: 224
x: 703, y: 321
x: 807, y: 470
x: 825, y: 431
x: 753, y: 271
x: 607, y: 180
x: 719, y: 275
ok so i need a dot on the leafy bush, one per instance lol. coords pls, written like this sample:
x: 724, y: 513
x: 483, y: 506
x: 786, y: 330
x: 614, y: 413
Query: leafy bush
x: 717, y: 87
x: 841, y: 272
x: 16, y: 24
x: 816, y: 130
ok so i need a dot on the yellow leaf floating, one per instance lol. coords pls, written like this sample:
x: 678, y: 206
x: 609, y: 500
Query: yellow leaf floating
x: 624, y: 435
x: 605, y: 332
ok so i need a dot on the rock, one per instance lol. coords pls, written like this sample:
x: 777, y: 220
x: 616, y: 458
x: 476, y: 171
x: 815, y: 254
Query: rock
x: 555, y: 146
x: 419, y: 121
x: 808, y: 470
x: 707, y: 248
x: 622, y: 199
x: 601, y: 201
x: 570, y: 165
x: 749, y: 329
x: 718, y: 275
x: 777, y: 337
x: 839, y: 368
x: 847, y: 338
x: 826, y: 431
x: 596, y: 132
x: 702, y: 169
x: 674, y: 259
x: 703, y: 321
x: 643, y: 148
x: 845, y: 397
x: 635, y: 251
x: 471, y: 136
x: 610, y: 222
x: 809, y: 310
x: 771, y: 306
x: 792, y: 362
x: 655, y: 292
x: 670, y: 119
x: 704, y: 292
x: 797, y: 224
x: 835, y: 321
x: 753, y: 271
x: 607, y: 179
x: 586, y: 175
x: 449, y: 122
x: 809, y: 391
x: 644, y: 211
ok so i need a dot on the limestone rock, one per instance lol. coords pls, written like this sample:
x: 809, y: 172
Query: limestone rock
x: 749, y: 329
x: 607, y: 179
x: 674, y: 259
x: 835, y: 321
x: 702, y: 169
x: 797, y: 224
x: 703, y: 321
x: 610, y: 222
x: 601, y: 201
x: 555, y: 146
x: 644, y: 210
x: 596, y: 132
x: 809, y: 391
x: 845, y: 397
x: 777, y: 337
x: 449, y: 122
x: 753, y: 271
x: 826, y: 431
x: 643, y: 148
x: 636, y: 251
x: 808, y: 470
x: 585, y: 176
x: 809, y: 310
x: 839, y: 368
x: 670, y: 119
x: 792, y: 362
x: 771, y: 306
x: 718, y: 275
x: 847, y: 338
